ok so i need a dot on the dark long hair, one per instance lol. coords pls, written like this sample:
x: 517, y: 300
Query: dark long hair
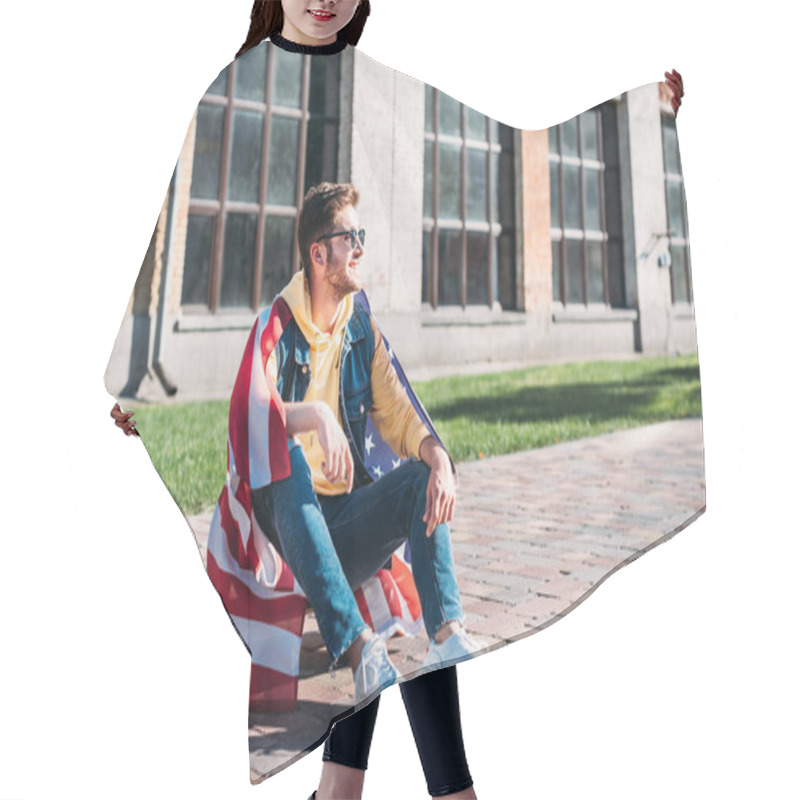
x: 266, y: 19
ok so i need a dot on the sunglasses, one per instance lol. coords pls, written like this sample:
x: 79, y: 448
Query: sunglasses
x: 354, y: 235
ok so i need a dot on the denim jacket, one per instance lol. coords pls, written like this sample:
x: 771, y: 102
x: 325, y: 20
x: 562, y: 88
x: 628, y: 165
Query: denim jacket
x: 355, y: 394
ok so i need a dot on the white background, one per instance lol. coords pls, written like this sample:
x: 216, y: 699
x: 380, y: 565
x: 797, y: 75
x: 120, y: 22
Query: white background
x: 121, y: 676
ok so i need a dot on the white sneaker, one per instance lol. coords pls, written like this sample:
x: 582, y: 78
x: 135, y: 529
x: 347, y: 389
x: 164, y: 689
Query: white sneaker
x: 457, y: 646
x: 375, y: 671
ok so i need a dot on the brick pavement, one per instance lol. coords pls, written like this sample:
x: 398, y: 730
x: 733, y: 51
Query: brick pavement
x: 535, y: 533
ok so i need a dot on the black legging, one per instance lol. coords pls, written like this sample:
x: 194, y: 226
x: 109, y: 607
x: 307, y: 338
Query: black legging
x: 433, y: 711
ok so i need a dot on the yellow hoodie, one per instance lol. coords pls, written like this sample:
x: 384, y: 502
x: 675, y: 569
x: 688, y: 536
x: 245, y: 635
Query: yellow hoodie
x: 391, y: 411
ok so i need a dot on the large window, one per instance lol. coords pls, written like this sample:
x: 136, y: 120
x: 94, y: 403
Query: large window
x: 585, y: 209
x: 681, y: 270
x: 267, y: 130
x: 468, y: 215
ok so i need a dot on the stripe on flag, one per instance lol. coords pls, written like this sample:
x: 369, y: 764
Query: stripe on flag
x: 270, y: 646
x: 283, y: 610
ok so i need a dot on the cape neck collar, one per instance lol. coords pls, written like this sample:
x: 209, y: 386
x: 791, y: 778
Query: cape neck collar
x: 309, y: 49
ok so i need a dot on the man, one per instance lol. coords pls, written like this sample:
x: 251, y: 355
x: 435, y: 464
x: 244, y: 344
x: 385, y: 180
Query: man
x: 331, y: 522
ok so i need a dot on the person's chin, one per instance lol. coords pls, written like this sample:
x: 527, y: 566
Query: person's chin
x: 354, y: 280
x: 347, y: 287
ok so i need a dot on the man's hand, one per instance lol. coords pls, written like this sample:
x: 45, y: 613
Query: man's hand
x: 338, y: 460
x: 440, y: 502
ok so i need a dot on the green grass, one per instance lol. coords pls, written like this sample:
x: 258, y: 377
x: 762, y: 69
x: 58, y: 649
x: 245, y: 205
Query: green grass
x: 476, y: 416
x: 187, y: 443
x: 511, y: 411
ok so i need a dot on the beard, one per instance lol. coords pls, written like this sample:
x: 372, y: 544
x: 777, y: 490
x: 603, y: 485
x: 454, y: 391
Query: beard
x: 341, y: 280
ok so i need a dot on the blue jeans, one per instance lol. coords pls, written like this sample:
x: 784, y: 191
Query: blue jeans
x: 333, y: 544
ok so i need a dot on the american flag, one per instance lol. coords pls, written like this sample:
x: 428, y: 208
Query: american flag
x: 264, y: 601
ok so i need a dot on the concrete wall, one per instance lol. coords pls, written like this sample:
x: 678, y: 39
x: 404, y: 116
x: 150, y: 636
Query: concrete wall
x: 381, y: 151
x: 648, y: 207
x: 129, y: 370
x: 386, y: 160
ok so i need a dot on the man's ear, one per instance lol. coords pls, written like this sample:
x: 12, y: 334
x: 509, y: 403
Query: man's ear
x: 316, y: 254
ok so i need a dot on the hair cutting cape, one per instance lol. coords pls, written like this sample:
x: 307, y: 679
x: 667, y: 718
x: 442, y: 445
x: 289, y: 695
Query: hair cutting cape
x: 490, y: 253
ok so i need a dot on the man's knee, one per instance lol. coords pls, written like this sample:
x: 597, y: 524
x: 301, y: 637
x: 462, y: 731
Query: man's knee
x: 298, y: 464
x: 299, y: 475
x: 419, y: 473
x: 273, y: 502
x: 297, y: 458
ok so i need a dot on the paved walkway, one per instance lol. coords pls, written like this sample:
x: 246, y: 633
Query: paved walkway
x: 535, y: 533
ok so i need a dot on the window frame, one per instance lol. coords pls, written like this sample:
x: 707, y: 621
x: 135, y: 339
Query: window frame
x: 432, y: 224
x: 222, y: 206
x: 561, y: 235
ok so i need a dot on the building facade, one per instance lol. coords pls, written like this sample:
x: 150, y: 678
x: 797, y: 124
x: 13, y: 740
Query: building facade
x: 486, y: 245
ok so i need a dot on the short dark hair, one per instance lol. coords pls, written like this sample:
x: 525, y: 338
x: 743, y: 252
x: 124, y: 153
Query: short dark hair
x: 266, y: 19
x: 317, y: 216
